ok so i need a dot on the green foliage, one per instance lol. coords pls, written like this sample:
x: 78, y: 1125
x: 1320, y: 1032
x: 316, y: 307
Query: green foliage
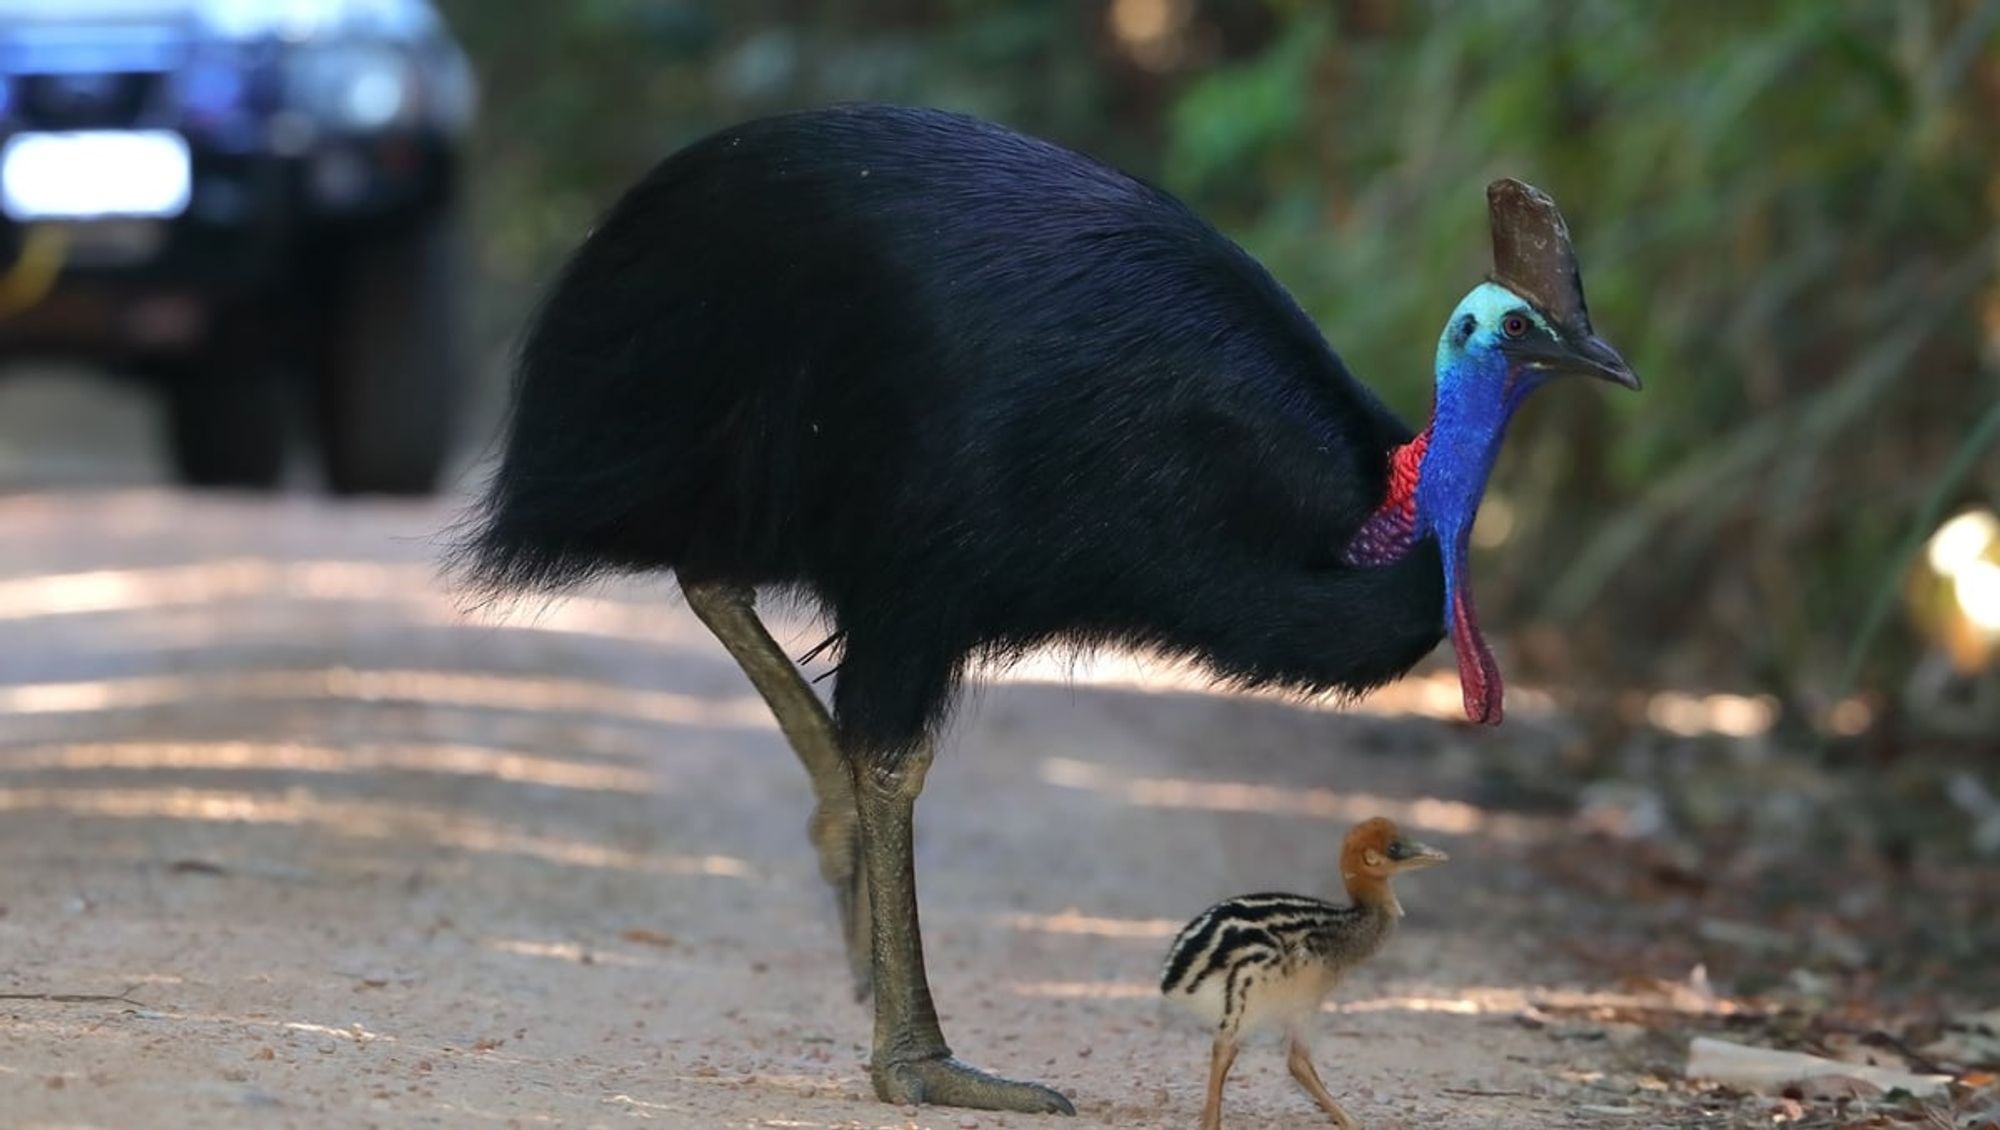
x: 1783, y: 215
x: 1784, y: 211
x: 1246, y: 116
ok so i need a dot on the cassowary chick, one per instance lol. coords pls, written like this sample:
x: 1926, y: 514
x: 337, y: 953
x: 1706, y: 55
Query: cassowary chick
x: 1258, y: 960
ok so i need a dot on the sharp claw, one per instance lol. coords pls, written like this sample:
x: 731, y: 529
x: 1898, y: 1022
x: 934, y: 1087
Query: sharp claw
x: 947, y: 1082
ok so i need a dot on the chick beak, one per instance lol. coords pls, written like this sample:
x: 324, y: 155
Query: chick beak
x: 1416, y: 857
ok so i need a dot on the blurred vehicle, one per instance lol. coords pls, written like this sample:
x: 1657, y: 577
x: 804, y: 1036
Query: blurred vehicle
x: 242, y: 201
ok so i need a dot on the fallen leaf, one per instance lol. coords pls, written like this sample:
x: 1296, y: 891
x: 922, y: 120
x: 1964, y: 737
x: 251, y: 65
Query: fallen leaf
x: 1769, y: 1071
x: 641, y: 936
x: 1834, y: 1088
x: 1848, y: 1048
x: 1972, y: 1040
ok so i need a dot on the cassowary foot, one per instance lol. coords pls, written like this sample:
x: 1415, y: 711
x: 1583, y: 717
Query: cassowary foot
x: 835, y: 831
x: 911, y: 1062
x: 947, y: 1082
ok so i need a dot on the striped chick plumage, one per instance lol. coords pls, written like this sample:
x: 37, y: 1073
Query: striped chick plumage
x: 1264, y: 958
x: 1272, y: 958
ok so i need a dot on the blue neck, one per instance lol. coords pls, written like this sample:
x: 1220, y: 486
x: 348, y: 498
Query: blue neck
x: 1478, y: 390
x: 1475, y: 401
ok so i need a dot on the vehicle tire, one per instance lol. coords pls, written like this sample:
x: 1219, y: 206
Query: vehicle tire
x: 228, y: 412
x: 390, y: 368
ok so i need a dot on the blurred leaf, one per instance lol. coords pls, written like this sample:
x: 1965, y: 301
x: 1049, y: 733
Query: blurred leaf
x: 1232, y: 115
x: 1767, y: 199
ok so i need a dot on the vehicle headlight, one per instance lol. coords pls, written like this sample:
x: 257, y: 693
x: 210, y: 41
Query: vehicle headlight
x: 299, y: 20
x: 354, y: 86
x: 286, y: 19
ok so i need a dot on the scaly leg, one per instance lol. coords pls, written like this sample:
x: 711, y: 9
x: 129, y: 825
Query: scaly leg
x: 911, y: 1063
x: 729, y: 611
x: 1219, y: 1060
x: 1299, y: 1059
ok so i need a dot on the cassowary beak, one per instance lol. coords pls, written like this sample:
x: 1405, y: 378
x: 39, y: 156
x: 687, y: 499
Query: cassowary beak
x: 1594, y: 357
x: 1587, y: 355
x: 1578, y: 354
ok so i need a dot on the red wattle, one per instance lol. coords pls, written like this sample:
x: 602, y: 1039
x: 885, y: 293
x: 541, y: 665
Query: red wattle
x: 1478, y: 674
x: 1406, y: 463
x: 1386, y: 536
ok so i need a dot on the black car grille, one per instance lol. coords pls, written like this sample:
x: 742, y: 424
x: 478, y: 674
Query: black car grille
x: 85, y: 101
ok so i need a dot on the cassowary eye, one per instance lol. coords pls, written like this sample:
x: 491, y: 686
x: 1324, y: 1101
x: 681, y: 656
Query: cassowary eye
x: 1514, y: 325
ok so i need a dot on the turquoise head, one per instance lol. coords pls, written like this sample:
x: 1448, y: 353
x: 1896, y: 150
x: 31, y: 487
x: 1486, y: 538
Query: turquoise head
x: 1524, y: 326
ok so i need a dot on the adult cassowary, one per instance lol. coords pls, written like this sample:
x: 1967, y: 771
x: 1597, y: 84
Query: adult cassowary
x: 970, y: 393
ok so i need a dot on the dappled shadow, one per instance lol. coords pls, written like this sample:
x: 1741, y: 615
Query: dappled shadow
x: 1346, y: 806
x: 1524, y: 1001
x: 525, y: 693
x: 292, y: 757
x: 225, y: 593
x: 410, y: 591
x: 573, y: 952
x: 360, y: 820
x: 316, y: 763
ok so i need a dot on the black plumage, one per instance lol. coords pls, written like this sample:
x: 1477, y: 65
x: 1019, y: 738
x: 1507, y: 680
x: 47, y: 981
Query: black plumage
x: 970, y: 391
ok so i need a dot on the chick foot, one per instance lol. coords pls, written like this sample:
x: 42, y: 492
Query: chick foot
x: 947, y: 1082
x: 1299, y: 1061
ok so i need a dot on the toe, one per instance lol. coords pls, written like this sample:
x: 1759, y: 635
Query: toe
x: 947, y: 1082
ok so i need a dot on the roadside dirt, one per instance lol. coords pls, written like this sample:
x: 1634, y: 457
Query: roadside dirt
x: 289, y: 841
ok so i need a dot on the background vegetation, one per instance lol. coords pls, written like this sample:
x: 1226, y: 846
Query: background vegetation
x: 1786, y: 213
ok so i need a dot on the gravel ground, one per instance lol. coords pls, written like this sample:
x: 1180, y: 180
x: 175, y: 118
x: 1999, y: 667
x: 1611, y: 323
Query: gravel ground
x: 291, y: 840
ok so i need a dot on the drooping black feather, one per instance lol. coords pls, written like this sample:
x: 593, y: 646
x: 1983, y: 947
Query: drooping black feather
x: 971, y: 392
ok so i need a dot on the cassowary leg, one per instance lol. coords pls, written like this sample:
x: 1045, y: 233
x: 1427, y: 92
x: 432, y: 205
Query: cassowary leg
x: 730, y: 612
x: 912, y: 1063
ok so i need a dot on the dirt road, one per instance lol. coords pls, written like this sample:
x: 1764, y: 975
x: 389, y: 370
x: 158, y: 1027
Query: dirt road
x: 290, y: 841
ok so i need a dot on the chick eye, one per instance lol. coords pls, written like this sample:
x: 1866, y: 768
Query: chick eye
x: 1514, y: 325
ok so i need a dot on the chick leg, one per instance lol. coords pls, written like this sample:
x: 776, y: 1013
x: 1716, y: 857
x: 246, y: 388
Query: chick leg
x: 1299, y: 1059
x: 729, y: 611
x: 1219, y: 1061
x: 911, y: 1062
